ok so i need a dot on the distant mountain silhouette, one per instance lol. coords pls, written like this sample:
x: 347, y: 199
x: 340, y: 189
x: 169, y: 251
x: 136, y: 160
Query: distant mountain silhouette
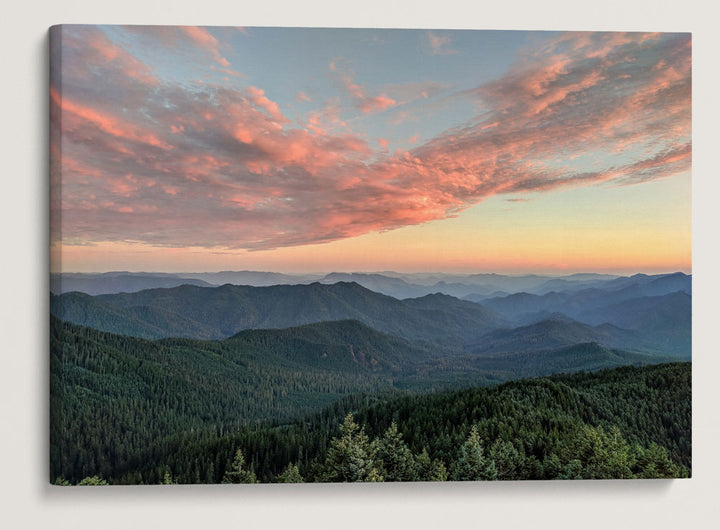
x: 118, y: 282
x: 223, y: 311
x: 658, y: 307
x: 633, y: 313
x: 395, y: 287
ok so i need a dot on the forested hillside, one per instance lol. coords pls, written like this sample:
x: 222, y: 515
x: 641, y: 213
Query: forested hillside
x: 621, y: 423
x: 111, y: 394
x: 131, y: 410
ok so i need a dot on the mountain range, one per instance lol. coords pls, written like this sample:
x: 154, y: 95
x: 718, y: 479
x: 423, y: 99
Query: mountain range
x: 641, y: 313
x: 219, y: 312
x: 397, y: 285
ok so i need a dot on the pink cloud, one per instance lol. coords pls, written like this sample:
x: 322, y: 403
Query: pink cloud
x: 100, y: 47
x: 216, y: 167
x: 258, y: 97
x: 326, y: 119
x: 228, y: 71
x: 204, y: 39
x: 105, y: 122
x: 364, y: 102
x: 375, y: 104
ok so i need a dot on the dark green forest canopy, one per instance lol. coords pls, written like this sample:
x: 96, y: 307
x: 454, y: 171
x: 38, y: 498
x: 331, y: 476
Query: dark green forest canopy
x: 136, y: 411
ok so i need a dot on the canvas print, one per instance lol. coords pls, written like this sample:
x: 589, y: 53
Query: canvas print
x: 368, y: 255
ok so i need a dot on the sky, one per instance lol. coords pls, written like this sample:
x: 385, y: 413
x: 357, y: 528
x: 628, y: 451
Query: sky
x: 314, y: 150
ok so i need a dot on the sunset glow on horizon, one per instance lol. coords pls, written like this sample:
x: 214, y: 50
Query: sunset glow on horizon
x: 183, y: 149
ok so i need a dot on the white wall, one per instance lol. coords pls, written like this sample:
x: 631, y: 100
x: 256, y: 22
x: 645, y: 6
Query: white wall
x: 27, y: 502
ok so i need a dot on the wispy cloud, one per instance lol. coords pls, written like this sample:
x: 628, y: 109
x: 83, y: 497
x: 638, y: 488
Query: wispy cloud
x: 204, y: 39
x: 171, y: 165
x: 178, y: 40
x: 439, y: 44
x: 364, y: 102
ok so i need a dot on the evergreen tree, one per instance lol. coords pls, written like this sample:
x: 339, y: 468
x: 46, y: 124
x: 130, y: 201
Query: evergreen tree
x: 398, y: 463
x: 654, y: 462
x: 573, y: 470
x: 429, y: 470
x: 374, y: 476
x: 93, y: 481
x: 167, y: 478
x: 508, y: 461
x: 551, y: 467
x: 350, y: 458
x: 237, y: 474
x: 472, y: 463
x: 601, y: 454
x: 290, y: 475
